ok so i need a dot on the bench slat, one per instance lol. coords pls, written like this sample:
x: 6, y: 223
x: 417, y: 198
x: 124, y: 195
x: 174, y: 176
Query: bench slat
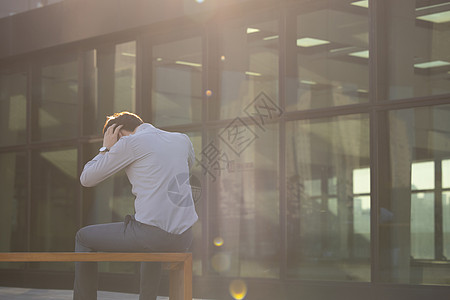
x: 180, y: 264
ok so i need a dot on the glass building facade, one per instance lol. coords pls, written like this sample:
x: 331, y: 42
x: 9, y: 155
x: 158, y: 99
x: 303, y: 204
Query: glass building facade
x: 321, y: 131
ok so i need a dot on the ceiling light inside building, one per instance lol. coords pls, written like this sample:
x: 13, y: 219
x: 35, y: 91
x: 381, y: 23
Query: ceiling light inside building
x: 440, y: 17
x: 128, y: 54
x: 187, y: 63
x: 310, y: 82
x: 362, y: 3
x: 252, y: 73
x: 252, y: 30
x: 272, y: 37
x: 310, y: 42
x: 432, y: 64
x: 360, y: 54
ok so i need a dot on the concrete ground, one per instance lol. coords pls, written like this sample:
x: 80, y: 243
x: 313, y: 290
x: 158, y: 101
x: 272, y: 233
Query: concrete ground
x: 12, y: 293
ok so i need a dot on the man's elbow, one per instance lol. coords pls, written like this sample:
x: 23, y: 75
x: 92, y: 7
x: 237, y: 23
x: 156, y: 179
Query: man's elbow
x: 84, y: 180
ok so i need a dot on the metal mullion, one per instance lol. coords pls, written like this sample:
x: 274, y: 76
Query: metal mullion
x: 283, y: 32
x: 210, y: 81
x: 78, y: 142
x: 412, y: 103
x: 30, y: 77
x: 328, y: 112
x: 206, y: 57
x: 375, y: 159
x: 438, y: 213
x: 377, y: 93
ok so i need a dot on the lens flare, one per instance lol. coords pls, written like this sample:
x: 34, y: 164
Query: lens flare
x: 218, y: 241
x: 238, y: 289
x: 208, y: 93
x: 221, y: 262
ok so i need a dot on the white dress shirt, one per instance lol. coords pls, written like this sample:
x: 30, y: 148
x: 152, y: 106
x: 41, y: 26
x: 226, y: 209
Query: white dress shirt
x: 157, y: 164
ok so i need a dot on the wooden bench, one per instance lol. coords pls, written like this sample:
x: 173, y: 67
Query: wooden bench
x: 180, y: 264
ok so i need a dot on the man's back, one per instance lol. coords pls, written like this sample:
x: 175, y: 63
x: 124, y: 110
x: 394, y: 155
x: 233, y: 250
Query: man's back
x: 159, y: 175
x: 157, y: 165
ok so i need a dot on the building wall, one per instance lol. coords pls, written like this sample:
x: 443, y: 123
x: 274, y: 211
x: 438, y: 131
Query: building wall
x: 320, y: 128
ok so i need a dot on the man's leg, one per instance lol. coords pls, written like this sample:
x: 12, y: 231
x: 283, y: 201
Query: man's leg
x: 103, y: 237
x: 86, y: 282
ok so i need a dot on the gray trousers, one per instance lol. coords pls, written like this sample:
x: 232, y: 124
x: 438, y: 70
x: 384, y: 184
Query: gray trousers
x: 127, y: 236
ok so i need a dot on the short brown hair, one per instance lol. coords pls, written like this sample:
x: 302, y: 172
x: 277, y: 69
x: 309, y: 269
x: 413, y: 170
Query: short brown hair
x: 129, y: 121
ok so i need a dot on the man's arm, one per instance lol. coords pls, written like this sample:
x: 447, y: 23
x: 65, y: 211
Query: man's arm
x: 107, y: 163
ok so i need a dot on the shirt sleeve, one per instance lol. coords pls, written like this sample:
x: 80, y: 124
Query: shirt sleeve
x: 105, y: 165
x: 191, y: 153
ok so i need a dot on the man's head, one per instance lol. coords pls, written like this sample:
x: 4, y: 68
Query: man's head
x: 129, y: 121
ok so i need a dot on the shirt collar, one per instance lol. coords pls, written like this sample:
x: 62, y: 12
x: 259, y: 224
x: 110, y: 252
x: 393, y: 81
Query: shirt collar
x: 144, y: 126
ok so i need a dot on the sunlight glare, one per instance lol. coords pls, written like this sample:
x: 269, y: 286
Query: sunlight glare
x: 238, y: 289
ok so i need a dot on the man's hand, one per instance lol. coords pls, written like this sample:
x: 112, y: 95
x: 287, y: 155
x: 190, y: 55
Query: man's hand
x: 112, y: 135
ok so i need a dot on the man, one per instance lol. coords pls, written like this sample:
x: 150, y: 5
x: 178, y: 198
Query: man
x: 157, y: 164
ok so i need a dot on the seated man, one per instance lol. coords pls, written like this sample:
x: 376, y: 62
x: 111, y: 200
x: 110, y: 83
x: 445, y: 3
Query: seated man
x: 153, y: 159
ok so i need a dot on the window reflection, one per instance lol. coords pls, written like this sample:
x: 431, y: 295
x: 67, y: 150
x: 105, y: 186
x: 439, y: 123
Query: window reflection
x: 446, y: 206
x: 446, y: 174
x: 248, y: 64
x: 446, y: 222
x: 417, y: 230
x: 54, y: 198
x: 13, y: 108
x: 110, y: 84
x: 13, y: 207
x: 328, y: 198
x: 243, y: 206
x: 125, y: 77
x: 330, y: 55
x: 418, y: 61
x: 177, y: 82
x: 55, y: 111
x: 10, y: 8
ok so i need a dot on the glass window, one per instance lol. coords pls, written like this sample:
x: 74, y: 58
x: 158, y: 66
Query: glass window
x: 125, y: 77
x: 330, y: 56
x: 240, y: 165
x: 328, y: 222
x: 446, y: 222
x: 13, y: 204
x: 55, y: 109
x: 54, y: 201
x: 110, y: 84
x: 446, y: 206
x: 248, y: 64
x: 446, y: 173
x: 418, y: 54
x: 177, y: 82
x: 10, y: 8
x: 13, y: 108
x: 416, y: 207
